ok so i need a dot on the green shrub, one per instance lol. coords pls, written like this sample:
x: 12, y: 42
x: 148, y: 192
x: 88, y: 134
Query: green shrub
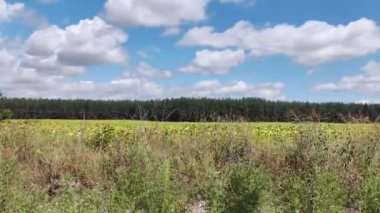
x: 370, y: 195
x: 151, y: 192
x: 318, y: 192
x: 16, y: 195
x: 101, y: 137
x: 329, y: 193
x: 242, y: 191
x: 4, y: 113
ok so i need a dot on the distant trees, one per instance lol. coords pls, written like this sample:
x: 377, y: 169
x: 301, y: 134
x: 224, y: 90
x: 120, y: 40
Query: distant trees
x: 4, y: 113
x: 192, y: 110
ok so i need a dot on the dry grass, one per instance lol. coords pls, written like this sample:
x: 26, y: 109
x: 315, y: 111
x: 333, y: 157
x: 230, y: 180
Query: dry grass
x: 85, y: 168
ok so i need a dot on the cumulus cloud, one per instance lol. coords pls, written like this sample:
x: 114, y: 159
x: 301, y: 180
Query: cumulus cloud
x: 147, y: 89
x: 311, y: 43
x: 217, y: 62
x: 45, y: 42
x: 146, y: 71
x: 215, y: 88
x: 367, y: 81
x: 41, y: 66
x: 19, y: 81
x: 9, y: 11
x: 24, y: 77
x: 154, y: 13
x: 171, y: 31
x: 69, y: 50
x: 7, y: 60
x: 133, y: 88
x: 92, y: 42
x: 50, y: 66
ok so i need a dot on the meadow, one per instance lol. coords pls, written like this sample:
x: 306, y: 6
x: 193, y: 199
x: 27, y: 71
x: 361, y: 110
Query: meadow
x: 138, y: 166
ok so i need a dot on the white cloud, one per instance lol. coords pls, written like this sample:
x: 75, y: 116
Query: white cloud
x: 171, y: 31
x: 45, y: 42
x: 148, y: 52
x: 215, y: 88
x: 25, y: 77
x: 364, y: 101
x: 155, y: 13
x: 133, y: 88
x: 312, y: 43
x: 146, y: 71
x: 7, y: 60
x: 79, y: 87
x: 19, y: 81
x: 10, y: 11
x: 367, y: 81
x: 142, y: 54
x: 50, y: 66
x: 249, y: 2
x: 48, y: 1
x: 145, y: 89
x: 41, y: 66
x: 69, y: 50
x: 218, y: 62
x: 92, y: 42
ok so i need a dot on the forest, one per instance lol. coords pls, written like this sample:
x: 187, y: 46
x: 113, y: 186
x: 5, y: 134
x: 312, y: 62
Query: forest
x: 192, y: 110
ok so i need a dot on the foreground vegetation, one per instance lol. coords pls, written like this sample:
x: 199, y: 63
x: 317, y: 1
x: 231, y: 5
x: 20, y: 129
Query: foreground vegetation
x: 119, y: 166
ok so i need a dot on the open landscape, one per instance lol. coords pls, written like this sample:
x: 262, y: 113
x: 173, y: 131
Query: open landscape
x: 198, y: 106
x: 119, y: 166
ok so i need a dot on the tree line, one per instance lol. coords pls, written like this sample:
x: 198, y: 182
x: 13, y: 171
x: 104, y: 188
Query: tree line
x: 192, y: 110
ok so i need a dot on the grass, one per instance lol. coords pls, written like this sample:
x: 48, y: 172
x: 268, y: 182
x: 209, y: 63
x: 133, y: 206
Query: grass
x: 118, y: 166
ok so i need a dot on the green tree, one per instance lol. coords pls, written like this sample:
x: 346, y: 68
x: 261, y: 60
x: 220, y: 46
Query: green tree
x: 4, y: 113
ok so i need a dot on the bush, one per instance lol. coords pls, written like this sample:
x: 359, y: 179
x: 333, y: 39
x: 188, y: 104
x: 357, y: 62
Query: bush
x: 370, y: 195
x: 242, y: 191
x: 321, y: 191
x: 152, y: 192
x: 4, y: 113
x: 101, y: 137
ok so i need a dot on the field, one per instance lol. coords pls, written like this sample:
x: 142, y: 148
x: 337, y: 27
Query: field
x: 129, y: 166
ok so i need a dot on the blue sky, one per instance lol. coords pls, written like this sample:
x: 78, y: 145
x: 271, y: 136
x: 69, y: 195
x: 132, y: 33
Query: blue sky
x: 129, y: 49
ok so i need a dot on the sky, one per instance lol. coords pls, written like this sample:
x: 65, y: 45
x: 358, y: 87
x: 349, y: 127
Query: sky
x: 293, y: 50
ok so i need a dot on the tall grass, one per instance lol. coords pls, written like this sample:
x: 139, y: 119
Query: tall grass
x: 220, y: 168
